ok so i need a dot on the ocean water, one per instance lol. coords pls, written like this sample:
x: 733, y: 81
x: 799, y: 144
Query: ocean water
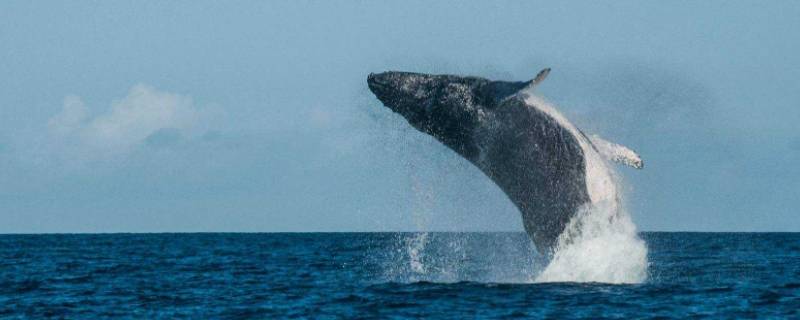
x: 395, y: 275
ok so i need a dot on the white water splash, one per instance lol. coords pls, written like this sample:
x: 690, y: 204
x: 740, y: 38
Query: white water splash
x: 600, y: 243
x: 415, y: 247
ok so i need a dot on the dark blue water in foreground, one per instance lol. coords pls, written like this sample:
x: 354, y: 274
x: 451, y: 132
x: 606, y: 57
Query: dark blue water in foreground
x: 453, y: 275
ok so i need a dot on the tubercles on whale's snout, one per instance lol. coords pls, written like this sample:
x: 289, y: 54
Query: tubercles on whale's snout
x: 377, y: 82
x: 394, y: 90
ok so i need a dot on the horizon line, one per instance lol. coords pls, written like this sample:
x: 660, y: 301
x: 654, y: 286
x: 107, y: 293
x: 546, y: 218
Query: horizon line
x: 336, y: 232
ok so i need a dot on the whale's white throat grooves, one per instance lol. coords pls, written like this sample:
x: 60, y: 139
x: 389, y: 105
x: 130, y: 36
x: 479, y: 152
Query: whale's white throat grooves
x: 600, y: 243
x: 599, y: 180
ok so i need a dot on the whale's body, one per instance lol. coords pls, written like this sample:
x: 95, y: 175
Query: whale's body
x: 546, y: 166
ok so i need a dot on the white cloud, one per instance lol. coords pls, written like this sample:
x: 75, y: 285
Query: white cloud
x: 126, y: 124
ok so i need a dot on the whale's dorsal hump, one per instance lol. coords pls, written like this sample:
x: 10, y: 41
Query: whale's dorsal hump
x: 539, y: 78
x: 617, y: 153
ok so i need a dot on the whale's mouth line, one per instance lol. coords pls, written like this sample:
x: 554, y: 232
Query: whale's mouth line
x: 380, y: 90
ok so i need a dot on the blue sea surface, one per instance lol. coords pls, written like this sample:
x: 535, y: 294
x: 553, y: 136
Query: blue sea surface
x: 384, y: 275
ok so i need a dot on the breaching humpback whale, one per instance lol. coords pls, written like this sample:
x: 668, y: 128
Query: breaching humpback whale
x: 545, y: 165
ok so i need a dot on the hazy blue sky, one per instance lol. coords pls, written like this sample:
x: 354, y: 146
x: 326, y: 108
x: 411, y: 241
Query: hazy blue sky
x: 219, y: 116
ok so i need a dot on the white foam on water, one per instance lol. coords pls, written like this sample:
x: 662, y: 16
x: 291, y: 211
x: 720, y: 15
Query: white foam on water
x: 600, y: 243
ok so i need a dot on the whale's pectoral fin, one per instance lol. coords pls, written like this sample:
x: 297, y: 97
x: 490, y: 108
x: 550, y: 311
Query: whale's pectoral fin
x: 539, y: 78
x: 616, y: 153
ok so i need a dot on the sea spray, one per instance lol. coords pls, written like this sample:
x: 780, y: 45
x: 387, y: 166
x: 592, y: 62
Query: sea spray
x: 416, y: 244
x: 599, y: 245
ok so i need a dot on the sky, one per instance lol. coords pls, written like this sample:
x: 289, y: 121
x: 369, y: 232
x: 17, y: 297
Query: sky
x: 184, y: 116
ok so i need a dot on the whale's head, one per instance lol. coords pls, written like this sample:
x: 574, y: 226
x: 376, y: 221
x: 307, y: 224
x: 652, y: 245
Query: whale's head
x: 449, y: 108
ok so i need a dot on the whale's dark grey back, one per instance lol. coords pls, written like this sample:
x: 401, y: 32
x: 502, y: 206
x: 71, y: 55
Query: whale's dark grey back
x: 539, y: 164
x: 534, y: 159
